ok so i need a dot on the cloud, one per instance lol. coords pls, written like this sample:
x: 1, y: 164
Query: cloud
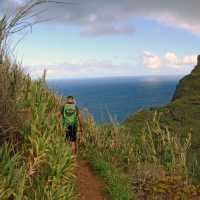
x: 96, y: 18
x: 189, y: 60
x: 107, y: 29
x: 169, y: 60
x: 151, y: 60
x: 80, y: 69
x: 172, y: 60
x: 150, y: 64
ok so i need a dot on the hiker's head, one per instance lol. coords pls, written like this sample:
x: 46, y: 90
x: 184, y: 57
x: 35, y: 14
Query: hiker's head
x: 71, y: 100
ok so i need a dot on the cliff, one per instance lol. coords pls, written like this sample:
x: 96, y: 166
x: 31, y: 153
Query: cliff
x: 181, y: 115
x: 189, y: 86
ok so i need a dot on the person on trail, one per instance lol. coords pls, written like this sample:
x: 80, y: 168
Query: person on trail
x: 72, y: 120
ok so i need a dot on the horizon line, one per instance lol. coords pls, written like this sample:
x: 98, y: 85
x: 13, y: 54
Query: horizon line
x: 111, y: 77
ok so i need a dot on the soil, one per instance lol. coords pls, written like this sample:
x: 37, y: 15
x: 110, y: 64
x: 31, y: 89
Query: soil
x: 90, y: 186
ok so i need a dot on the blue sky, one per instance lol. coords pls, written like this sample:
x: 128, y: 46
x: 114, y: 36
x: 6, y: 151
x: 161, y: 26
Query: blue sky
x: 112, y: 39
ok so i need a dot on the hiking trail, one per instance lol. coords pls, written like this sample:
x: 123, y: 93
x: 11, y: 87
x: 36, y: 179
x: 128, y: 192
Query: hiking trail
x: 90, y: 187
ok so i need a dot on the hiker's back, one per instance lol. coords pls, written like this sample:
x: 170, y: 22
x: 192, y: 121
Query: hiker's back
x: 70, y: 114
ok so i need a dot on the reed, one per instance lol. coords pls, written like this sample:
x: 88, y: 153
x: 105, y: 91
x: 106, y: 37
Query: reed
x: 32, y: 145
x: 153, y: 154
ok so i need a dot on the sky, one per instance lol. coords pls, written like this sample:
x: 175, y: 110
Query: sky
x: 105, y: 38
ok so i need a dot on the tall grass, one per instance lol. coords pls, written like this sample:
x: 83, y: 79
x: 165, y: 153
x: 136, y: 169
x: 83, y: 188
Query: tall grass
x: 12, y: 82
x: 153, y: 154
x: 117, y: 184
x: 43, y: 174
x: 38, y: 170
x: 35, y: 161
x: 153, y: 145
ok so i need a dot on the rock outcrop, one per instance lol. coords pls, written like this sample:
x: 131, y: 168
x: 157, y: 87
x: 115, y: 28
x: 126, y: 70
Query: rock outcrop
x: 198, y: 60
x: 189, y: 86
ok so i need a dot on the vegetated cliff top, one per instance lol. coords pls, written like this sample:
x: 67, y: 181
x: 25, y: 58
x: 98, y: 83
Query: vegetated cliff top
x: 189, y: 86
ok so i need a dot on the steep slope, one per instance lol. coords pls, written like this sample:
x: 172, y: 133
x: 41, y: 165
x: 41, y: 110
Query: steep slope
x: 189, y: 86
x: 182, y: 115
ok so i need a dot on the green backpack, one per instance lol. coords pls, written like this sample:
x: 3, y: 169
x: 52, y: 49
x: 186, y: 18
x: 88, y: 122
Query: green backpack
x: 70, y: 115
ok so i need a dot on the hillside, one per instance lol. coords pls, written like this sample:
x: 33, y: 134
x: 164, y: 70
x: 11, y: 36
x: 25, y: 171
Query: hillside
x: 181, y: 116
x: 37, y: 163
x: 189, y: 86
x: 126, y: 164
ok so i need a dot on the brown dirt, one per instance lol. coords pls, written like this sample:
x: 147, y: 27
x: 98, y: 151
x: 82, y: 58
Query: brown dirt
x: 90, y: 187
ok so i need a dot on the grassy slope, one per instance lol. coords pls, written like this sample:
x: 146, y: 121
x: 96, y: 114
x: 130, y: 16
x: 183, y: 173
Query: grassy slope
x: 32, y: 148
x: 118, y: 157
x: 182, y: 115
x: 139, y: 167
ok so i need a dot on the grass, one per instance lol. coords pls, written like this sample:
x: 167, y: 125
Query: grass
x: 32, y: 145
x: 136, y: 164
x: 117, y: 185
x: 151, y: 155
x: 43, y: 174
x: 180, y: 116
x: 152, y: 145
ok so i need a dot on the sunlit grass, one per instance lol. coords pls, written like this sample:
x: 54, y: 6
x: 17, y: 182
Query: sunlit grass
x: 152, y: 154
x: 35, y: 161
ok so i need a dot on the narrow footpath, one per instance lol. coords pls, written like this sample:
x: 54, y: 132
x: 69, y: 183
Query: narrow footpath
x: 90, y: 187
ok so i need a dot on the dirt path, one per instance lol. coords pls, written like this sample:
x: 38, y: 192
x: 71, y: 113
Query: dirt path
x: 90, y: 187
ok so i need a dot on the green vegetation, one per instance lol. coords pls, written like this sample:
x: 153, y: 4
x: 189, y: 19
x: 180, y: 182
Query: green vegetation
x: 32, y: 146
x: 95, y: 146
x: 147, y: 164
x: 181, y: 116
x: 32, y: 151
x: 117, y: 184
x: 153, y: 154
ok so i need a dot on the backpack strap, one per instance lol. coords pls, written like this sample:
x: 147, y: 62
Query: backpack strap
x: 77, y: 110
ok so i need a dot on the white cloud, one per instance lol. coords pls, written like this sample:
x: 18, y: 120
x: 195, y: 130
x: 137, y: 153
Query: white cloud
x: 97, y: 17
x: 180, y: 22
x: 81, y: 68
x: 171, y: 57
x: 151, y: 60
x: 172, y: 60
x: 169, y: 60
x: 190, y: 60
x: 151, y: 64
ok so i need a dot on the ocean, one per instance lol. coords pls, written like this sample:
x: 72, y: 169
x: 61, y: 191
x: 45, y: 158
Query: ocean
x: 117, y: 98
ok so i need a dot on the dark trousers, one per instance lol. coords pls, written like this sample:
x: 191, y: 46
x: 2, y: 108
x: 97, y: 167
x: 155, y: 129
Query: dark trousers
x: 71, y: 133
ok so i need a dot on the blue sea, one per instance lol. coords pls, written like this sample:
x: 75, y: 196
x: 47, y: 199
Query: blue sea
x: 117, y: 98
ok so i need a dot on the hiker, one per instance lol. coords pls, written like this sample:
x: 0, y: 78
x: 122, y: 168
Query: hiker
x: 72, y: 120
